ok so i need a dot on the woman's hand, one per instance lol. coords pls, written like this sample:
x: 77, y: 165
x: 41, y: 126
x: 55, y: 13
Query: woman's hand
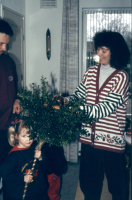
x: 65, y: 100
x: 60, y: 99
x: 28, y: 177
x: 38, y: 154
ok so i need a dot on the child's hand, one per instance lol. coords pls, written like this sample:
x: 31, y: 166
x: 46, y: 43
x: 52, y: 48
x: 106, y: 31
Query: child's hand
x: 28, y: 177
x: 38, y: 154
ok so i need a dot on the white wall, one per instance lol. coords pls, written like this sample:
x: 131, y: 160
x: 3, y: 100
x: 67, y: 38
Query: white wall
x: 96, y: 4
x: 38, y: 20
x: 15, y: 5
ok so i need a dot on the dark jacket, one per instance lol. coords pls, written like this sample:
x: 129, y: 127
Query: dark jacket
x: 14, y: 168
x: 8, y: 90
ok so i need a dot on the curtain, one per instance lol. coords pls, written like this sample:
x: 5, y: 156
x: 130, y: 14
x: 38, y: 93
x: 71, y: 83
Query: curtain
x: 69, y: 60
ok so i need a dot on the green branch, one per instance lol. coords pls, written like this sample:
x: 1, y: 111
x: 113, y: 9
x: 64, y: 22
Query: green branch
x: 55, y: 126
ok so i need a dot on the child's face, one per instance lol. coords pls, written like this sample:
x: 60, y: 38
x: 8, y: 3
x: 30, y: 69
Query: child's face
x: 24, y: 139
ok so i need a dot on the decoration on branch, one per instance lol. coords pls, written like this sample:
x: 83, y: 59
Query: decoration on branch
x: 49, y: 124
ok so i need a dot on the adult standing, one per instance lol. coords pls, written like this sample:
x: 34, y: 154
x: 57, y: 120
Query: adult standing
x: 9, y: 104
x: 104, y: 89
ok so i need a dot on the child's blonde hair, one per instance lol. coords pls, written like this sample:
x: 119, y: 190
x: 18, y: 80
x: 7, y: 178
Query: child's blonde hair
x: 15, y: 130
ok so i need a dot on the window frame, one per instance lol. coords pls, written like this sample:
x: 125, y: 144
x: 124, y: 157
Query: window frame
x: 84, y: 30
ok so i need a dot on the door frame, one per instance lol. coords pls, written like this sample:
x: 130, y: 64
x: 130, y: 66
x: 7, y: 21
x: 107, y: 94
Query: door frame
x: 23, y: 43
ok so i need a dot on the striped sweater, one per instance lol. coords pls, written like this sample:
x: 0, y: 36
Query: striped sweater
x: 108, y: 104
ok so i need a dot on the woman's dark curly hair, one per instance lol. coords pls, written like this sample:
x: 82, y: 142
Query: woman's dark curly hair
x: 120, y: 53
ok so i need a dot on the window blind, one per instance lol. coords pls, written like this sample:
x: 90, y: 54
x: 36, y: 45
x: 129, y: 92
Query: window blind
x: 99, y: 19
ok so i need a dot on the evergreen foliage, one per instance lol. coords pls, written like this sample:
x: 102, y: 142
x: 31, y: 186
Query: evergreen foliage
x: 54, y: 126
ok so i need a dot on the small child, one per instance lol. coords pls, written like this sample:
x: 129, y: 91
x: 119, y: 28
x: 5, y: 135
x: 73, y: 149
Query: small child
x: 16, y: 169
x: 58, y: 166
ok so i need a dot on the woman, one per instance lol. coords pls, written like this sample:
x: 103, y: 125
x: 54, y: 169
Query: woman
x: 104, y: 88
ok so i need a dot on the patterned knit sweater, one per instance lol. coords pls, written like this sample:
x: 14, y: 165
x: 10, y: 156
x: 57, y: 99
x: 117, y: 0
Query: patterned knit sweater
x: 108, y: 104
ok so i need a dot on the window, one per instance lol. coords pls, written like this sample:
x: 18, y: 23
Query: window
x: 95, y: 20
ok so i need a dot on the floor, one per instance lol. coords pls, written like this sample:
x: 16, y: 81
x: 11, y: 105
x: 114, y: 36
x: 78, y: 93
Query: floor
x: 70, y: 188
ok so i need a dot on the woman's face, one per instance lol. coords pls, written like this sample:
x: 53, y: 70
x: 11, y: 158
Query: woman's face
x: 104, y: 55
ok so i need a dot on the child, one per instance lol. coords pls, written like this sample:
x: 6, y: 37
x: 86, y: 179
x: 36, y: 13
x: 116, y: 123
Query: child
x: 57, y: 167
x: 16, y: 169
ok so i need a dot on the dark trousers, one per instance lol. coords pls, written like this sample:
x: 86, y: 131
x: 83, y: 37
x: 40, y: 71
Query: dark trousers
x: 4, y: 145
x: 4, y: 150
x: 93, y: 164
